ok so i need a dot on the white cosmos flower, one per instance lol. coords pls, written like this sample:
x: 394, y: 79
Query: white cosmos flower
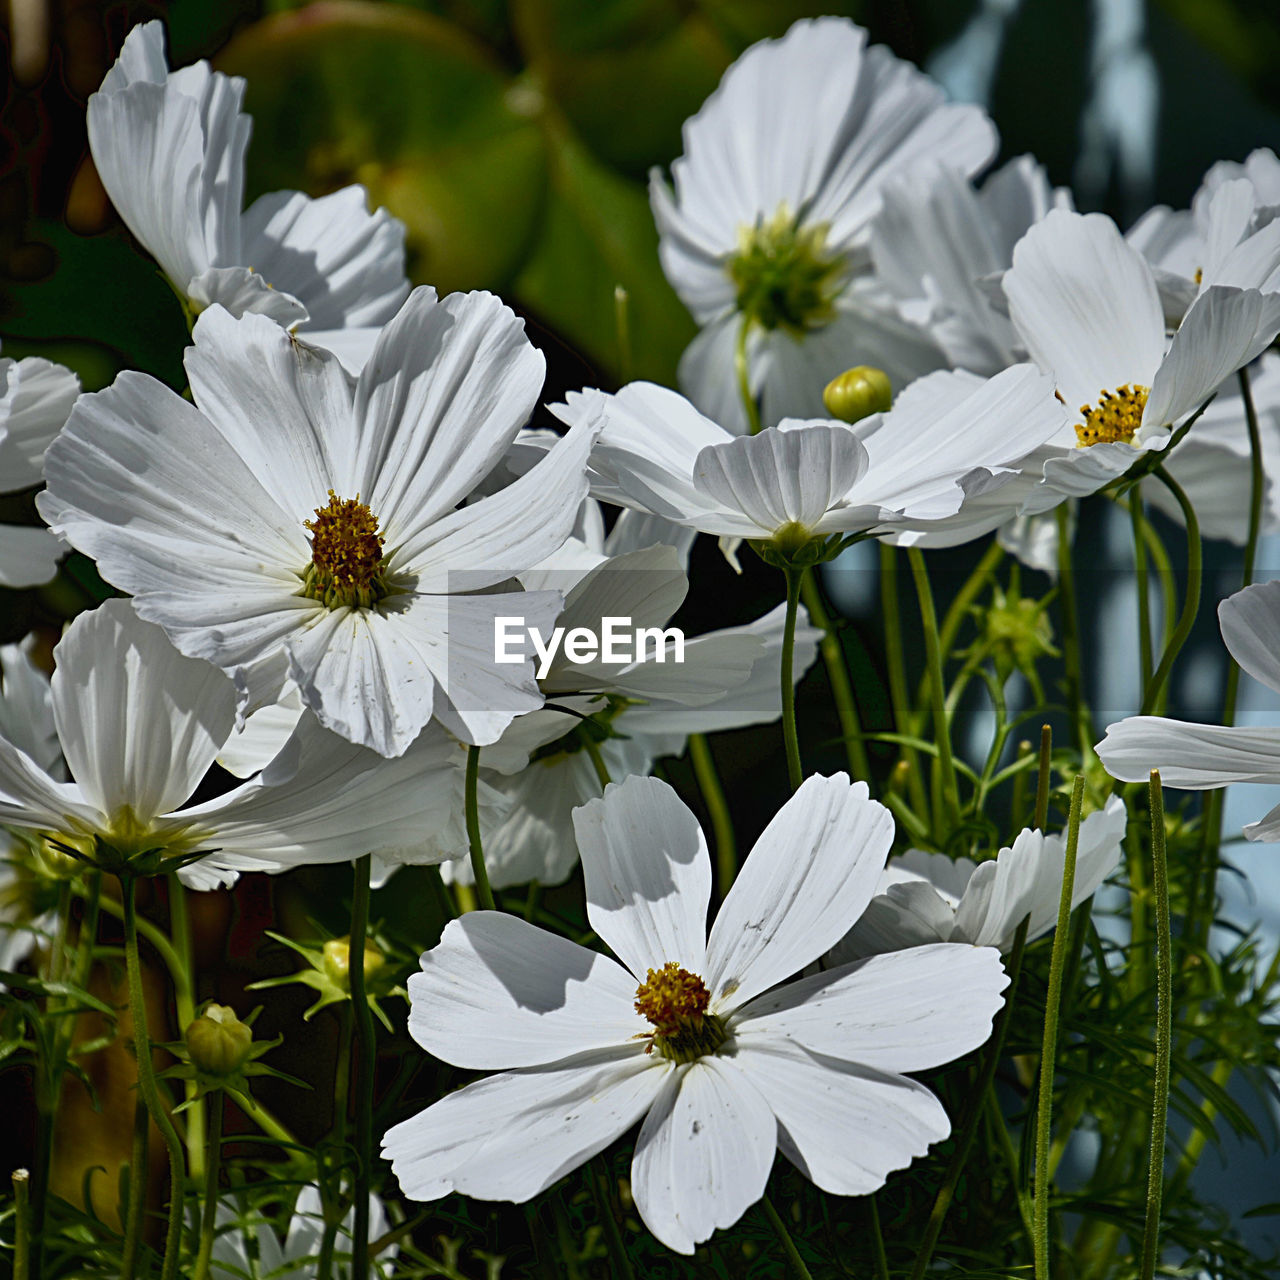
x: 769, y: 217
x: 239, y: 1252
x: 36, y: 396
x: 692, y: 1035
x: 929, y: 897
x: 1228, y: 236
x: 1084, y: 303
x: 139, y: 725
x: 938, y: 242
x: 170, y: 149
x: 951, y: 437
x: 1203, y: 757
x: 293, y: 526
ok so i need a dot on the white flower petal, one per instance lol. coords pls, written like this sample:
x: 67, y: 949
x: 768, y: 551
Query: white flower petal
x: 510, y: 1136
x: 648, y: 875
x: 28, y: 556
x: 905, y: 1011
x: 810, y: 875
x: 704, y: 1153
x: 908, y: 914
x: 26, y: 707
x: 1085, y: 304
x: 1194, y: 757
x: 1250, y: 622
x: 261, y: 738
x: 240, y: 291
x: 36, y: 398
x: 139, y: 723
x: 498, y: 993
x: 845, y: 1126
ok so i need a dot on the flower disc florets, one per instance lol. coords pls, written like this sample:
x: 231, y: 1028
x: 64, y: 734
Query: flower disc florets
x: 675, y: 1002
x: 784, y: 274
x: 346, y: 555
x: 1116, y: 418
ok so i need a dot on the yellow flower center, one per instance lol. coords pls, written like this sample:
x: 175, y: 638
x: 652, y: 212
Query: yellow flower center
x: 1115, y: 418
x: 675, y: 1003
x: 784, y: 274
x: 346, y: 555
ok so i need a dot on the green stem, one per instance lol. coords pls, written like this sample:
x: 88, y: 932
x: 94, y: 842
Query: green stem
x: 895, y: 662
x: 704, y: 769
x: 333, y: 1211
x: 363, y: 1057
x: 977, y: 1106
x: 147, y: 1081
x: 22, y: 1224
x: 213, y: 1165
x: 619, y: 1263
x: 795, y: 770
x: 933, y: 657
x: 1164, y: 1033
x: 1080, y: 723
x: 877, y: 1239
x: 483, y: 892
x: 1145, y: 656
x: 798, y: 1269
x: 139, y: 1164
x: 1043, y: 770
x: 1049, y: 1046
x: 593, y: 753
x: 1003, y: 1140
x: 1191, y: 602
x: 837, y: 676
x: 742, y: 370
x: 185, y: 1002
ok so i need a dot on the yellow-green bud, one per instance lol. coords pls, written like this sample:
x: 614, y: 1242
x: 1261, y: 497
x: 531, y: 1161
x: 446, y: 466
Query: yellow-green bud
x: 857, y: 393
x: 218, y: 1042
x: 337, y: 961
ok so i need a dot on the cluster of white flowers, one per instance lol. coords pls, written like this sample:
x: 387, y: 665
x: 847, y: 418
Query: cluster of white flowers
x: 318, y: 537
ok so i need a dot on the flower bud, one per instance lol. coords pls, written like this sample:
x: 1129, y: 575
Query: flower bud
x: 337, y: 961
x: 857, y: 393
x: 218, y: 1042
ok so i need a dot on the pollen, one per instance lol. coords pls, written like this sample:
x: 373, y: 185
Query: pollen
x: 1116, y: 417
x: 675, y: 1003
x: 346, y: 555
x: 784, y: 274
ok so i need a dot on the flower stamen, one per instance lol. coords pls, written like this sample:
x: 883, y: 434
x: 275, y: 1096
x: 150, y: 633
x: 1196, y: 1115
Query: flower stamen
x: 675, y: 1003
x: 784, y: 274
x: 1115, y: 419
x: 346, y: 555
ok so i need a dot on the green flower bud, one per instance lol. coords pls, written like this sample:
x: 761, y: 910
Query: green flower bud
x: 337, y: 961
x: 857, y: 393
x: 218, y: 1042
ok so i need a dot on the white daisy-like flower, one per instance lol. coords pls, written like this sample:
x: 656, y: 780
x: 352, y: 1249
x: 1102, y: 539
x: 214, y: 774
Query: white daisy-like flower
x: 768, y: 220
x: 292, y: 525
x: 241, y: 1253
x: 1228, y: 236
x: 1203, y: 757
x: 1085, y: 305
x: 929, y: 897
x: 950, y: 438
x: 938, y: 244
x: 139, y: 724
x: 170, y: 149
x: 699, y: 1037
x: 36, y: 397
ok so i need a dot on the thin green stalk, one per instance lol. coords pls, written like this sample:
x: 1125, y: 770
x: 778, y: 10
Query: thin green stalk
x: 622, y: 322
x: 213, y: 1166
x: 795, y: 770
x: 564, y: 1239
x: 22, y: 1224
x: 139, y: 1165
x: 973, y: 1117
x: 1043, y: 769
x: 837, y: 676
x: 619, y: 1263
x: 364, y: 1048
x: 1145, y: 656
x: 895, y: 663
x: 704, y: 769
x: 742, y: 370
x: 593, y: 753
x: 184, y: 999
x: 1080, y: 723
x: 1191, y: 602
x: 933, y: 657
x: 1049, y: 1045
x: 1164, y: 1033
x: 483, y: 892
x: 341, y: 1100
x: 1004, y: 1141
x: 877, y: 1239
x: 796, y: 1262
x: 147, y: 1081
